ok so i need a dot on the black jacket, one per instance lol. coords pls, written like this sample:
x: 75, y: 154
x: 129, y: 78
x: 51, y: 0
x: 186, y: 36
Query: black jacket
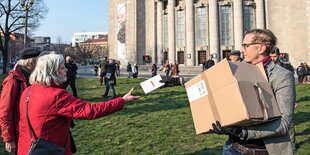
x: 72, y: 68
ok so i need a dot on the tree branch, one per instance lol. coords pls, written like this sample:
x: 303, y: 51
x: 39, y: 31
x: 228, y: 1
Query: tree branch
x: 3, y: 7
x: 16, y: 20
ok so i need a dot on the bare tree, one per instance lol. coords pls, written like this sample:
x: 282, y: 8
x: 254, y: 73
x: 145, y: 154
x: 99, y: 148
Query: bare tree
x: 12, y: 18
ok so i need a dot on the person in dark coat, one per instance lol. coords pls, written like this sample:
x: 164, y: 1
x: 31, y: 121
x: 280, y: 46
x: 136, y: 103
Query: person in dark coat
x: 102, y: 65
x: 154, y: 70
x: 301, y: 73
x: 135, y: 71
x: 210, y: 62
x: 71, y: 75
x: 275, y: 57
x: 110, y: 79
x: 234, y: 56
x: 129, y: 70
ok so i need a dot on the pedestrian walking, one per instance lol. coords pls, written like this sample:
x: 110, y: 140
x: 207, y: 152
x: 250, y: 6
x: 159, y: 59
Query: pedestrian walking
x: 110, y: 79
x: 129, y: 70
x: 71, y: 75
x: 102, y: 65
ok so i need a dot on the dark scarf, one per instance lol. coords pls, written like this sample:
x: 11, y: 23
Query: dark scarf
x: 266, y: 60
x: 26, y: 73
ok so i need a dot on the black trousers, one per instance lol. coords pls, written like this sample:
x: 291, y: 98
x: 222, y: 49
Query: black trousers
x: 71, y: 82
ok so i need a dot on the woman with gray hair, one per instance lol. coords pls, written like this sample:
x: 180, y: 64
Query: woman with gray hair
x: 51, y: 109
x: 12, y: 88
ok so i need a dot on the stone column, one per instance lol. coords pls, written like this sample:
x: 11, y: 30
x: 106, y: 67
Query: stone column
x: 260, y: 14
x: 214, y: 29
x: 159, y: 32
x: 190, y: 38
x: 171, y: 30
x: 238, y: 24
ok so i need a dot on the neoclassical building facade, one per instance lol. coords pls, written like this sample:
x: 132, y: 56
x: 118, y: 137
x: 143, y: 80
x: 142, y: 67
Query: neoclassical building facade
x: 188, y: 31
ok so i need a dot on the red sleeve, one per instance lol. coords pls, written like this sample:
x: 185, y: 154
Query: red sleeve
x: 8, y: 105
x: 70, y: 106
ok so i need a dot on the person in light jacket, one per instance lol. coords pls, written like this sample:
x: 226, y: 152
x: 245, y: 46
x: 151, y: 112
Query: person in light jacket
x: 270, y: 137
x: 52, y: 108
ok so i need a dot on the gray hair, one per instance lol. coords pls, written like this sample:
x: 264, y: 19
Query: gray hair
x: 46, y: 70
x: 25, y: 62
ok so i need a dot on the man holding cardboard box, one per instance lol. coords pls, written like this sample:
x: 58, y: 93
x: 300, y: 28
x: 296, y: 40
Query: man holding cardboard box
x: 271, y: 137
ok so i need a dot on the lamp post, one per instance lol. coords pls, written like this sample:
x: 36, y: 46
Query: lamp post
x: 26, y: 4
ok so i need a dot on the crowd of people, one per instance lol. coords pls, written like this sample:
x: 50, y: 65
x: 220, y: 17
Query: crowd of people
x: 40, y: 81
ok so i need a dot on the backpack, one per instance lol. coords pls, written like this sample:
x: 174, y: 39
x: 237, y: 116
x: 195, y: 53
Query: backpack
x: 299, y: 70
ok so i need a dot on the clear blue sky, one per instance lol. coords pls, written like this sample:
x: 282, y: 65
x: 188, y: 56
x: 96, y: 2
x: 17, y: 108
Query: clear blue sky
x: 68, y: 16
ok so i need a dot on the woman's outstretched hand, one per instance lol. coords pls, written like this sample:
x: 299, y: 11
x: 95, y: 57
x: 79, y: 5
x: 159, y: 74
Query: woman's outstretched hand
x: 128, y: 97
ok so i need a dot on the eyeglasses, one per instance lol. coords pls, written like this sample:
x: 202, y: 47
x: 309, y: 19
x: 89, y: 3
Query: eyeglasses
x: 245, y: 46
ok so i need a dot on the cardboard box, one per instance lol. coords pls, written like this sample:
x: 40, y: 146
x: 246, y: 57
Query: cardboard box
x: 231, y: 93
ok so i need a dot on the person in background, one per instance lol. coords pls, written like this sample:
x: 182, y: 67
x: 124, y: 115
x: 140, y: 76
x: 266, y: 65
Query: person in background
x: 234, y: 56
x: 102, y: 65
x: 210, y: 62
x: 52, y: 108
x: 301, y: 73
x: 117, y: 71
x: 166, y: 68
x: 154, y: 70
x: 174, y: 69
x: 71, y: 75
x: 135, y: 71
x: 129, y: 70
x: 110, y: 79
x: 307, y: 71
x: 271, y: 137
x: 96, y: 70
x: 204, y: 64
x: 275, y: 57
x: 12, y: 88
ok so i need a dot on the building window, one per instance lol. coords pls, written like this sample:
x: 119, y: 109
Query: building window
x: 226, y: 24
x: 180, y: 28
x: 201, y: 26
x: 248, y: 17
x: 165, y: 31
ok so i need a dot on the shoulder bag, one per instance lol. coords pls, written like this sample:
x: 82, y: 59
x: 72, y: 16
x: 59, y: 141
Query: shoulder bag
x: 40, y: 146
x: 108, y: 75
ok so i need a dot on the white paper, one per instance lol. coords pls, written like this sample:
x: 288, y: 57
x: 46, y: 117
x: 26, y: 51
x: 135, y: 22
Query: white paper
x: 151, y: 84
x: 197, y: 91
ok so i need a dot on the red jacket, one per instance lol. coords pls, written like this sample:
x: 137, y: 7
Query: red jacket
x: 50, y: 111
x: 12, y: 87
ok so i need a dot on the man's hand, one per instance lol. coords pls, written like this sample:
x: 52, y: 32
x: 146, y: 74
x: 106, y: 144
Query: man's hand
x: 128, y: 97
x: 10, y: 146
x: 232, y: 131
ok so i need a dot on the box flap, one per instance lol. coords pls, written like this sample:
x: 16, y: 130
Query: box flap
x: 259, y: 100
x: 241, y: 72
